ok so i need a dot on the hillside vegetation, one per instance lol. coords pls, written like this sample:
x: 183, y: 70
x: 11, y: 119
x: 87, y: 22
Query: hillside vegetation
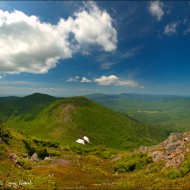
x: 162, y: 111
x: 54, y: 167
x: 38, y: 148
x: 64, y: 120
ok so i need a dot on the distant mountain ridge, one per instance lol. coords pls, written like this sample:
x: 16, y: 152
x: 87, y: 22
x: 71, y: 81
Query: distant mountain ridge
x: 135, y: 95
x: 12, y: 106
x: 66, y: 119
x: 170, y: 112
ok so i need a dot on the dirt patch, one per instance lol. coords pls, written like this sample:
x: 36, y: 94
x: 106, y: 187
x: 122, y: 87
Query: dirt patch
x: 65, y: 114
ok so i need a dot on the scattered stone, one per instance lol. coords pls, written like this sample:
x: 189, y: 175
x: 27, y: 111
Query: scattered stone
x: 117, y: 158
x: 13, y: 157
x: 47, y: 158
x: 65, y: 149
x: 143, y: 148
x: 34, y: 157
x: 186, y: 139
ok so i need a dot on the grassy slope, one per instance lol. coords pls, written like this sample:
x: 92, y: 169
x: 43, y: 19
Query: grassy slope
x: 169, y: 112
x: 64, y: 120
x: 30, y: 105
x: 91, y: 170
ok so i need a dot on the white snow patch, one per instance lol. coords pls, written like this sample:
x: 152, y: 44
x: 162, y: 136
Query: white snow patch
x: 86, y: 139
x: 80, y: 141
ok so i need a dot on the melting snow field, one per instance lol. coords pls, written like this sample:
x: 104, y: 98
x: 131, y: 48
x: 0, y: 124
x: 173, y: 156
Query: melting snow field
x: 83, y: 141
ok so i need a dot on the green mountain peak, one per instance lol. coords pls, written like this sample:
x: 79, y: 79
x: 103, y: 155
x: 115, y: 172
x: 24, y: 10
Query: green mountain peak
x: 66, y: 119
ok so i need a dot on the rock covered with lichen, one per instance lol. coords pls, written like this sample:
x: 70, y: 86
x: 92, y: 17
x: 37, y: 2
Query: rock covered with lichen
x: 172, y: 151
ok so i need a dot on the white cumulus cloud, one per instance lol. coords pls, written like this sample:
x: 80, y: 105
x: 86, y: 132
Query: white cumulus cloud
x: 171, y: 28
x: 114, y: 80
x: 29, y: 45
x: 73, y: 79
x: 91, y: 26
x: 84, y: 79
x: 108, y: 80
x: 156, y: 9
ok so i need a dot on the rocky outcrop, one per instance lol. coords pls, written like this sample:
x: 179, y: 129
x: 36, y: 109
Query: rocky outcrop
x: 172, y: 151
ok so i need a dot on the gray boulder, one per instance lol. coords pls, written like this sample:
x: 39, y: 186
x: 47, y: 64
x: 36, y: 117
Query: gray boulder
x: 13, y: 157
x: 172, y: 146
x: 174, y: 137
x: 34, y: 157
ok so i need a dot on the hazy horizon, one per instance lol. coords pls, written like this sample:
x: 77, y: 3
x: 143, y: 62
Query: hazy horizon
x: 186, y: 96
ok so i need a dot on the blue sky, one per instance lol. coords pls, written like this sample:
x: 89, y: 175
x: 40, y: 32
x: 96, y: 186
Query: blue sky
x: 69, y: 48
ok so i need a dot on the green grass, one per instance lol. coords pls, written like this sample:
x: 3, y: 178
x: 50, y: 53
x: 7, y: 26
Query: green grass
x: 83, y: 167
x: 65, y: 120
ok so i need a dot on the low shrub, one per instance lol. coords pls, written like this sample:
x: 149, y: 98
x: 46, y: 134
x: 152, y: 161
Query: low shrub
x: 3, y: 152
x: 106, y: 154
x: 97, y: 150
x: 185, y: 168
x: 155, y: 168
x: 135, y: 161
x: 173, y: 173
x: 31, y: 149
x: 79, y: 149
x: 45, y: 143
x: 181, y: 172
x: 54, y: 153
x: 24, y: 163
x: 5, y: 135
x: 42, y: 152
x: 125, y: 166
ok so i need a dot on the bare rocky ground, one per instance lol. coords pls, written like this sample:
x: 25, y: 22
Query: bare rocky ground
x: 172, y: 151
